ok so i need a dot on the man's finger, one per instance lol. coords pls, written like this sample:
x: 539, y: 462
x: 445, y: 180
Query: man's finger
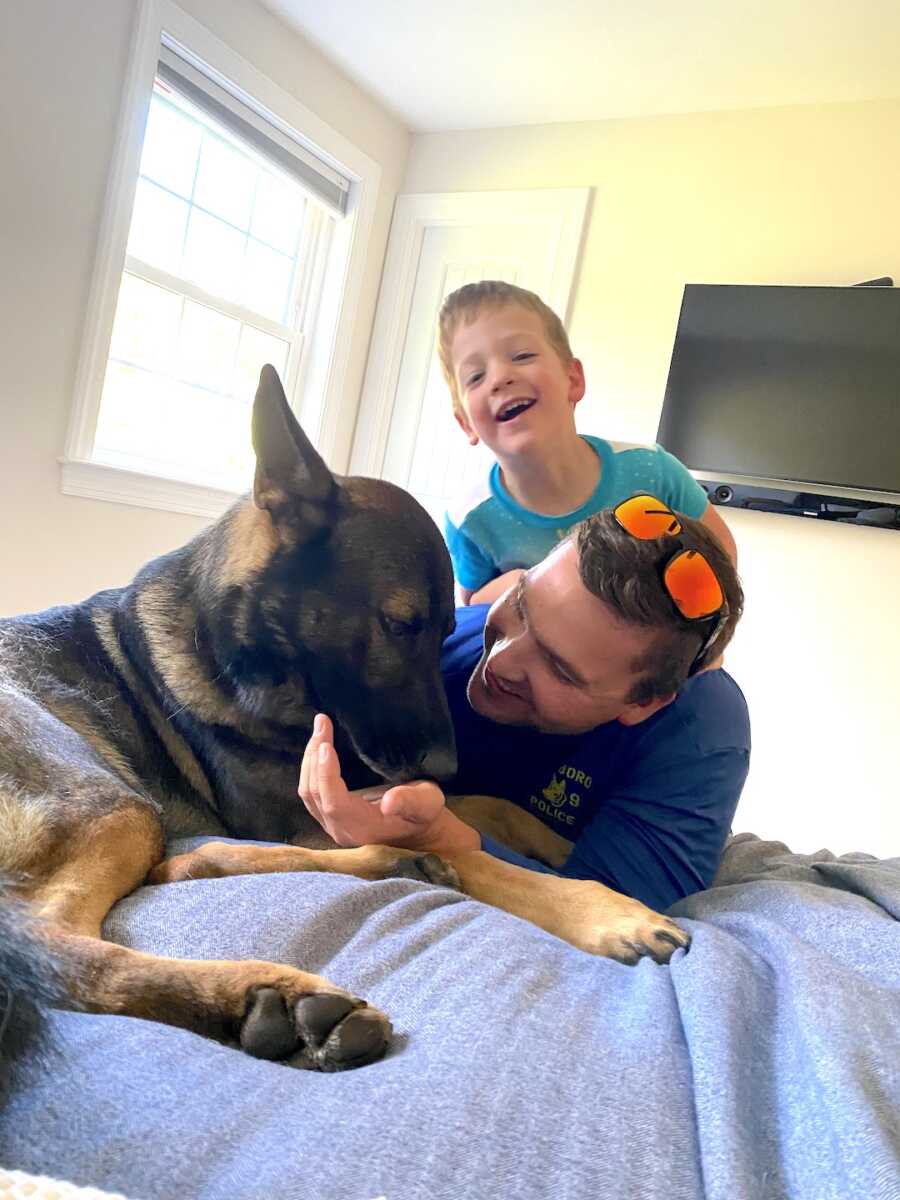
x: 309, y: 770
x: 414, y: 803
x: 303, y: 786
x: 340, y: 809
x: 333, y: 794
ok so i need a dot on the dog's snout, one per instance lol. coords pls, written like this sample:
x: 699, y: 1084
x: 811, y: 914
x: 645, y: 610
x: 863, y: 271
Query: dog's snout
x: 439, y: 764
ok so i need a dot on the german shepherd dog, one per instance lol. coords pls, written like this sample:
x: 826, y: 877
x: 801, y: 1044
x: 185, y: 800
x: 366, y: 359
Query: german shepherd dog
x: 182, y: 704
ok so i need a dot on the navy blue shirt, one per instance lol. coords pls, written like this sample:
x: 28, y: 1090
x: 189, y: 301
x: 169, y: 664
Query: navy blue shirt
x: 648, y: 807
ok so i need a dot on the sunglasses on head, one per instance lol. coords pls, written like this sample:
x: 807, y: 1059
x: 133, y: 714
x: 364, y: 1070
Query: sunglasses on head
x: 688, y: 579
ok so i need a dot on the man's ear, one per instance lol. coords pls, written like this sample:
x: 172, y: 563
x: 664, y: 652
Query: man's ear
x: 634, y: 714
x: 292, y: 481
x: 576, y: 381
x: 467, y: 429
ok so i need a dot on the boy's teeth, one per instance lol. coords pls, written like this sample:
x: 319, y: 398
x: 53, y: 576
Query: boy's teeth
x: 506, y: 414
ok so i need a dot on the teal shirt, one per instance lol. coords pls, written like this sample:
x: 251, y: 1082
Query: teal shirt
x: 489, y: 533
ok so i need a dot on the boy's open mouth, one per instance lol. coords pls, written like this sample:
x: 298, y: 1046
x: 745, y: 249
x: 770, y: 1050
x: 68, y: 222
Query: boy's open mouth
x: 513, y: 408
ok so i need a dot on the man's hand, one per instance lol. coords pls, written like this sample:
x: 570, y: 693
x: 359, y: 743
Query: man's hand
x: 409, y: 815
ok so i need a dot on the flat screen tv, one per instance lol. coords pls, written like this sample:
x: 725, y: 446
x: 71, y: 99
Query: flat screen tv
x: 792, y: 383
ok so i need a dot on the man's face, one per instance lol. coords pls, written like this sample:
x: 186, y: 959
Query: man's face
x: 556, y: 657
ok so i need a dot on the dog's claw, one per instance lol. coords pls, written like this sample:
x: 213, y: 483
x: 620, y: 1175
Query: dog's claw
x: 659, y: 944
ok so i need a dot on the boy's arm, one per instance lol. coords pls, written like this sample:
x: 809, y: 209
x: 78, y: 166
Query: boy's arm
x: 723, y: 534
x: 496, y: 587
x: 679, y: 489
x: 473, y: 568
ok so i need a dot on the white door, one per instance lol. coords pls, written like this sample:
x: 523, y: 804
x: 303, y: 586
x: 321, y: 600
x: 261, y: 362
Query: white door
x: 406, y: 431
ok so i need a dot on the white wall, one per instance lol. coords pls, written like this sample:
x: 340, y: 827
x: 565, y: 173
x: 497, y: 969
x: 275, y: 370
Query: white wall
x: 63, y: 67
x: 805, y: 195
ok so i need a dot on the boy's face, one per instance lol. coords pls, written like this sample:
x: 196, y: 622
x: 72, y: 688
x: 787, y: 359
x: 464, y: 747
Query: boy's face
x: 515, y: 390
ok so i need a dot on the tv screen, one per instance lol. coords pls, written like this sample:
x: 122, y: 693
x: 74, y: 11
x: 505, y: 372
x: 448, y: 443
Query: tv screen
x: 789, y: 383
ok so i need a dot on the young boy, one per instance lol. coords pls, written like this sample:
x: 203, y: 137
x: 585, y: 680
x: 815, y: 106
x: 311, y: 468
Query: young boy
x: 515, y: 384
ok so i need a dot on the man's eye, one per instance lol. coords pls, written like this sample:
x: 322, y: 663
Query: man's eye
x: 399, y: 628
x: 561, y: 675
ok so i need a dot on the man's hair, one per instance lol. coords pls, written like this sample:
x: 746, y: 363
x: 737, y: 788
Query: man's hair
x: 624, y: 572
x: 471, y: 300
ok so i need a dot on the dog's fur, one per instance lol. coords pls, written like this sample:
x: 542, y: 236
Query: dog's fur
x: 182, y: 703
x: 29, y: 983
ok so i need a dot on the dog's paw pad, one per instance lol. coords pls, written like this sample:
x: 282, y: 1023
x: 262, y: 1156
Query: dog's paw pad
x: 361, y: 1038
x: 323, y: 1032
x: 267, y: 1030
x: 317, y: 1016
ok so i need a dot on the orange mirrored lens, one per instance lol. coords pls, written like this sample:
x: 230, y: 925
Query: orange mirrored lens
x: 693, y: 586
x: 646, y: 517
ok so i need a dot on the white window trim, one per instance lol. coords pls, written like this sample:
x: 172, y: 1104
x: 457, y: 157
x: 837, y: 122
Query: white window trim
x: 414, y: 214
x: 318, y: 392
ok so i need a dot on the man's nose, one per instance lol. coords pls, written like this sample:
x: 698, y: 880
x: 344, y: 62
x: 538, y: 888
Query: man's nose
x: 506, y: 659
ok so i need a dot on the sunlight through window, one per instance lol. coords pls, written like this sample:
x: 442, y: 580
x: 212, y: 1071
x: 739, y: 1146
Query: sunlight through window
x: 209, y: 294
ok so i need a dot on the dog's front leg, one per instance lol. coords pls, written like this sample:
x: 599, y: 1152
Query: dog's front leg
x: 580, y: 911
x: 213, y: 860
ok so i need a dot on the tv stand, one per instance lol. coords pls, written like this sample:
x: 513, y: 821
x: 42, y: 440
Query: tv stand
x: 817, y: 505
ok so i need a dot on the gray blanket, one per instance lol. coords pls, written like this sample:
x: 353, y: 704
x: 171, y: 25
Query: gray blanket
x: 764, y: 1063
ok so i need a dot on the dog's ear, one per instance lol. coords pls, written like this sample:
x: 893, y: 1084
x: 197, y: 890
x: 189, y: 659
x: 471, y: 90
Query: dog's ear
x: 292, y: 481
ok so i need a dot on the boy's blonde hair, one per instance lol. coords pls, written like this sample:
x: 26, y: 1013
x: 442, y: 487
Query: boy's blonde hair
x: 469, y: 301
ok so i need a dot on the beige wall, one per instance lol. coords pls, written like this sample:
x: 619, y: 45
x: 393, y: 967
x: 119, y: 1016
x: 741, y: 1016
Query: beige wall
x: 803, y: 195
x: 63, y: 68
x: 806, y: 194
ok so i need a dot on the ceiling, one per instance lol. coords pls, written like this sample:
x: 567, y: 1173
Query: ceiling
x: 471, y: 64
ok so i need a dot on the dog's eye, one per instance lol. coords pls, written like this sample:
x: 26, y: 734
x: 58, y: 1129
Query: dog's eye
x: 397, y: 628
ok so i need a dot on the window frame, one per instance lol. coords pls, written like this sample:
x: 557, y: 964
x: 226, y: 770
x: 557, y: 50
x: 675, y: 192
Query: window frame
x: 316, y: 383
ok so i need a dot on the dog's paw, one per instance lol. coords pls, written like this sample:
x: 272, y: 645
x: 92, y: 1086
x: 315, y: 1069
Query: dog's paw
x: 321, y: 1032
x: 645, y: 935
x: 426, y: 868
x: 208, y: 861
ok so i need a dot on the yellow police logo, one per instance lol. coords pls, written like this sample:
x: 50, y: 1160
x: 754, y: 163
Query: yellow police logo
x: 555, y: 792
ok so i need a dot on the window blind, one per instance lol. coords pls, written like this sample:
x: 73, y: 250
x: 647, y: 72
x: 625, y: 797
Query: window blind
x: 262, y: 130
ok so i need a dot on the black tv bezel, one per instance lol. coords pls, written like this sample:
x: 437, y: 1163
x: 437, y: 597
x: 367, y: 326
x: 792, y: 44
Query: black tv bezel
x: 802, y: 490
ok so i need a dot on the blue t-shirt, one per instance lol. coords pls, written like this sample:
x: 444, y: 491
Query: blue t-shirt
x: 648, y: 807
x: 489, y: 533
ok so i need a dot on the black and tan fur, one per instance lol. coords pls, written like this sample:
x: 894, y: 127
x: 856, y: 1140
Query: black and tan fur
x: 182, y: 703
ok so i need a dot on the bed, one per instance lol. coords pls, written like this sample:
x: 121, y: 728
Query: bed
x: 763, y: 1063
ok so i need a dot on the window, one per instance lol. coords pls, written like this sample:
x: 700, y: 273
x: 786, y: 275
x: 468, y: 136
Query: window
x: 234, y: 252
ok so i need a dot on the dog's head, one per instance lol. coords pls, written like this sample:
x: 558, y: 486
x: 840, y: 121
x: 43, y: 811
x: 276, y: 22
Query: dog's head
x: 348, y: 603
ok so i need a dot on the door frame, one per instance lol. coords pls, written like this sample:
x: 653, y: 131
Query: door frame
x: 564, y: 210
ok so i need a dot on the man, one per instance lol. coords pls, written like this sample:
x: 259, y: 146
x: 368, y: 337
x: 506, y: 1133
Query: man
x: 590, y: 696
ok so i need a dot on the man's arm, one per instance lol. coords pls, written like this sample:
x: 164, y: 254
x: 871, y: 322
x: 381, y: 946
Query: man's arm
x: 659, y: 838
x: 657, y: 835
